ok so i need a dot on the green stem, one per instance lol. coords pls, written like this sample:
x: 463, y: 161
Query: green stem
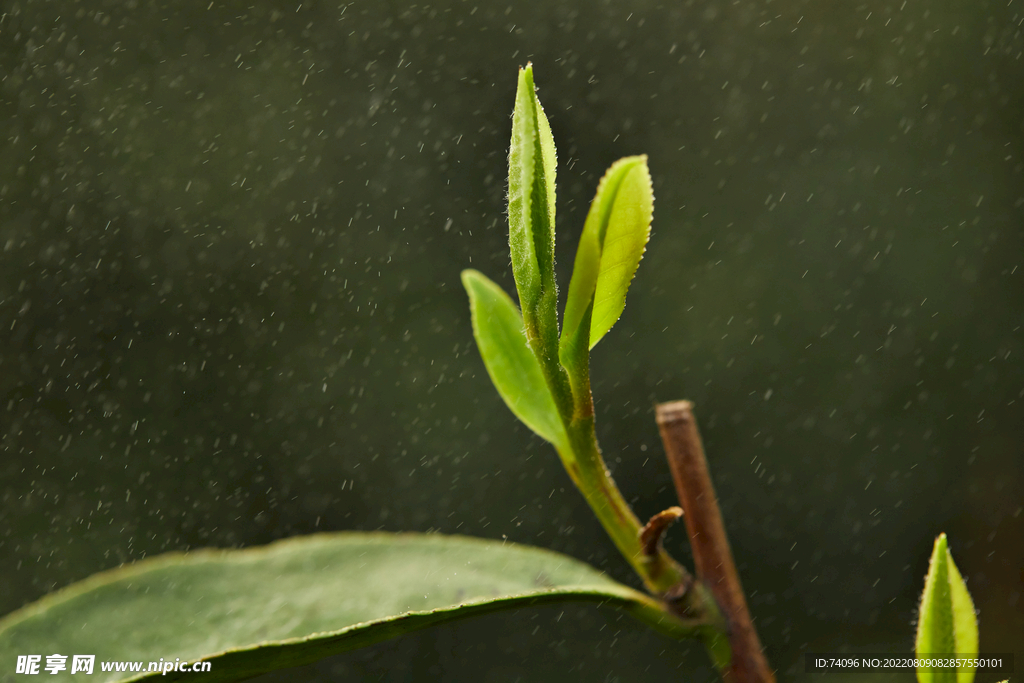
x: 660, y: 573
x: 587, y: 468
x: 567, y: 373
x: 685, y: 598
x: 690, y: 600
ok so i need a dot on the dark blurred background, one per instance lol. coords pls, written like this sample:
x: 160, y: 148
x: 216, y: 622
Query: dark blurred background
x: 230, y: 244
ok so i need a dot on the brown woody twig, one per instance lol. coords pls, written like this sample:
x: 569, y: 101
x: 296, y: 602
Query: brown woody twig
x: 713, y: 558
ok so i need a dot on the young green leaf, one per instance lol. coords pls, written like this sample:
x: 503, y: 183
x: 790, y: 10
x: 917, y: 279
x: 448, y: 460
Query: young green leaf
x: 531, y: 198
x: 946, y: 623
x: 613, y: 242
x: 513, y: 368
x: 296, y: 601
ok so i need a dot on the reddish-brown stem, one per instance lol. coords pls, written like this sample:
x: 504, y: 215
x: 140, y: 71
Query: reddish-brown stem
x: 711, y: 553
x: 650, y: 535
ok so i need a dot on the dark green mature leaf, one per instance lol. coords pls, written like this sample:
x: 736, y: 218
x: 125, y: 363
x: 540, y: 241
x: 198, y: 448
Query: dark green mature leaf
x: 946, y: 622
x: 613, y: 242
x: 296, y: 601
x: 513, y: 368
x: 531, y: 195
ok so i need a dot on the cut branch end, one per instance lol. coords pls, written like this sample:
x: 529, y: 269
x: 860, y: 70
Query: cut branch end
x: 712, y: 556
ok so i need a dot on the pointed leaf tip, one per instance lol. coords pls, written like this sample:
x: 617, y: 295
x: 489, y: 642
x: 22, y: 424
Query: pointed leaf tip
x: 946, y: 624
x: 514, y: 370
x: 531, y: 198
x: 614, y: 239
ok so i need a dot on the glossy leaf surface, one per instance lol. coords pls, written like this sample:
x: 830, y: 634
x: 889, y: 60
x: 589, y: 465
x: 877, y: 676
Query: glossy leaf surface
x: 296, y: 601
x: 514, y: 370
x: 946, y: 622
x: 614, y: 238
